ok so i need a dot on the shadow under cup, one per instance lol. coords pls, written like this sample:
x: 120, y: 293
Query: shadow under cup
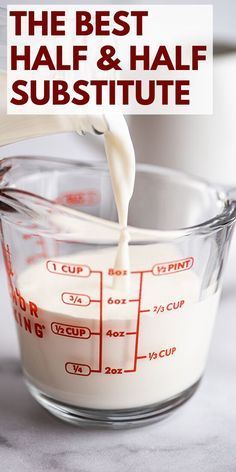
x: 93, y: 353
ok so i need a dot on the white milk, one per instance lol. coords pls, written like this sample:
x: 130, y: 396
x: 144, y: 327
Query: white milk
x: 91, y: 350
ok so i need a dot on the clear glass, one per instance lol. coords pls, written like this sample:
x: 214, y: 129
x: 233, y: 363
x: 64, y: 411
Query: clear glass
x: 93, y: 354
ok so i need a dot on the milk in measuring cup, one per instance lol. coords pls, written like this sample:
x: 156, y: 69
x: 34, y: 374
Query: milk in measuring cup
x: 95, y: 339
x: 95, y: 346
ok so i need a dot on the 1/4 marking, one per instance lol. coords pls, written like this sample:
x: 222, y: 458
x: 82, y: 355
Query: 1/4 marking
x: 77, y: 369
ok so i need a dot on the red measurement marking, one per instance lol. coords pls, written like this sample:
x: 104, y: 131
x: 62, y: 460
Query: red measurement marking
x: 172, y: 306
x: 87, y: 197
x: 77, y: 299
x: 138, y: 322
x: 101, y: 323
x: 145, y: 311
x: 7, y: 260
x: 131, y: 332
x: 142, y: 357
x: 78, y: 369
x: 70, y: 331
x: 172, y: 267
x: 137, y: 326
x: 161, y: 354
x: 40, y: 242
x: 100, y: 334
x: 71, y: 270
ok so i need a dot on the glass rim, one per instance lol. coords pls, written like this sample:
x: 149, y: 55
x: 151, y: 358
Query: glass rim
x: 227, y: 196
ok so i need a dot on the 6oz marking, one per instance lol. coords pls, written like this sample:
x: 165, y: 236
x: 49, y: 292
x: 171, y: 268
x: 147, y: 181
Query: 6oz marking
x: 117, y: 301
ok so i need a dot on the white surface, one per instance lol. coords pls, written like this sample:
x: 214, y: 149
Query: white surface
x: 200, y: 437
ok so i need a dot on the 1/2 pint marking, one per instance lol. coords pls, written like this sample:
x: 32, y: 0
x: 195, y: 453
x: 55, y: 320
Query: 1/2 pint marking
x: 171, y: 267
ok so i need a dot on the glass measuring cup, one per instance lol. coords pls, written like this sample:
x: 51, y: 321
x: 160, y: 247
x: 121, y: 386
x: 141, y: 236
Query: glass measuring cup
x: 90, y: 353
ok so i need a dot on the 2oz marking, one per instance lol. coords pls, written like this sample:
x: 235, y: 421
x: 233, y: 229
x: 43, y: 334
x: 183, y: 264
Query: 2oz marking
x: 113, y: 371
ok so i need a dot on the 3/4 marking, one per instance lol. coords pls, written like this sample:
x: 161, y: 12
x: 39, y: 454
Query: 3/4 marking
x: 77, y: 299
